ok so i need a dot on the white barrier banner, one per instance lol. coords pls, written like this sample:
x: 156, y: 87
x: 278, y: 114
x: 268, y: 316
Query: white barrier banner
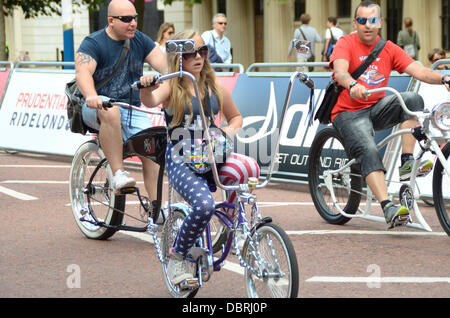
x: 33, y: 116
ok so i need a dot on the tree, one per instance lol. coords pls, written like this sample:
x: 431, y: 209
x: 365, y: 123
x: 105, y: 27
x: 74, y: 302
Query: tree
x: 32, y: 9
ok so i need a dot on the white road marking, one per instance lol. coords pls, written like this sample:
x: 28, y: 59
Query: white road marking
x: 17, y: 195
x: 8, y: 152
x: 270, y: 204
x: 142, y: 236
x: 236, y: 268
x: 357, y: 232
x: 402, y: 280
x: 233, y: 267
x: 34, y: 166
x: 34, y: 182
x: 338, y: 232
x: 41, y: 181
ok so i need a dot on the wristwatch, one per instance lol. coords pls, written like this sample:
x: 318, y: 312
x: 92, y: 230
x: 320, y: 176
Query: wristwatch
x: 353, y: 83
x: 443, y: 79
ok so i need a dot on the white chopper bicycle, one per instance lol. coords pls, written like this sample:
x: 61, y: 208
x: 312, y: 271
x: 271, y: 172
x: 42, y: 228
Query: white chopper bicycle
x: 336, y: 185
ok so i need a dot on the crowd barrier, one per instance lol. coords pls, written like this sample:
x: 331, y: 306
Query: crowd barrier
x: 5, y: 74
x: 33, y: 114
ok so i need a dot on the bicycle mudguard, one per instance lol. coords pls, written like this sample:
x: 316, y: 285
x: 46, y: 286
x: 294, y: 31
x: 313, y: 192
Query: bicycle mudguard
x: 150, y: 143
x: 264, y: 220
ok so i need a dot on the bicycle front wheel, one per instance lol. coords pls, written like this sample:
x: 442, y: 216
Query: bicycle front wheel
x: 91, y: 194
x: 327, y: 153
x: 441, y: 191
x: 169, y: 235
x: 273, y: 268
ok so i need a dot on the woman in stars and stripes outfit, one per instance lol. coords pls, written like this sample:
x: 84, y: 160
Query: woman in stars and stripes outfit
x: 181, y: 112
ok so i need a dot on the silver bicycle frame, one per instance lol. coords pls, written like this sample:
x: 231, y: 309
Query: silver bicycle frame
x: 365, y: 214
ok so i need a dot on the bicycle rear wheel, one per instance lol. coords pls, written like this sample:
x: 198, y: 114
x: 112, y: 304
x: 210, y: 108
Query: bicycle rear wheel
x: 271, y: 253
x: 441, y: 191
x: 168, y: 237
x: 91, y: 193
x: 327, y: 153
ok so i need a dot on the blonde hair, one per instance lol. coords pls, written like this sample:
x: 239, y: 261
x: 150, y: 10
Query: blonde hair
x: 162, y: 29
x: 180, y: 95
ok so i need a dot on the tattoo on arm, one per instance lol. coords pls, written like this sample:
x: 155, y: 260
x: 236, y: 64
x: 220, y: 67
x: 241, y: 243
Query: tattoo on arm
x: 83, y: 58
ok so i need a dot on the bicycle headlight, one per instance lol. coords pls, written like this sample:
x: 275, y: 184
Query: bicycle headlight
x: 441, y: 116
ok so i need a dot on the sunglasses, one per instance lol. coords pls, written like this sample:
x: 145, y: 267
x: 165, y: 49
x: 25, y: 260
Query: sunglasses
x: 126, y: 18
x: 363, y: 21
x: 203, y: 51
x: 222, y: 23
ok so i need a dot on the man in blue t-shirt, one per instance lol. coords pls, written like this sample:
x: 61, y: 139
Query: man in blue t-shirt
x: 95, y: 60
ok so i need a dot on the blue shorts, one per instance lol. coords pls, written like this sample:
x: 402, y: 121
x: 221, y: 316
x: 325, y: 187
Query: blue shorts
x: 139, y: 121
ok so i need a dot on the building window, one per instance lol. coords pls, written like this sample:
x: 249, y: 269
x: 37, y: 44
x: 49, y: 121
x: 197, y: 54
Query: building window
x: 259, y: 7
x: 446, y: 24
x: 344, y: 8
x: 222, y: 6
x: 394, y: 19
x: 300, y: 8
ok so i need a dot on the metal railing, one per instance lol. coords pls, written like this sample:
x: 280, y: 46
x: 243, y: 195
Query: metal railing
x: 236, y: 67
x: 289, y: 64
x: 440, y: 62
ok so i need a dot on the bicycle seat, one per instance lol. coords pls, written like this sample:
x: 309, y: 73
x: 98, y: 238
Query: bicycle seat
x: 150, y: 143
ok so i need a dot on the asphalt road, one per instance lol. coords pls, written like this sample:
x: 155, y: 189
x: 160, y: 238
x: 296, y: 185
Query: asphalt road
x: 43, y: 254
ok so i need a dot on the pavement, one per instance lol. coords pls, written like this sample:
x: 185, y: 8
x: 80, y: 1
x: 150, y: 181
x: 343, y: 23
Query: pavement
x: 43, y: 254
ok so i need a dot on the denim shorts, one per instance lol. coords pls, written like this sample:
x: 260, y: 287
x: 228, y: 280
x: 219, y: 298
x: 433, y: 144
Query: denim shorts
x: 357, y: 128
x: 139, y: 121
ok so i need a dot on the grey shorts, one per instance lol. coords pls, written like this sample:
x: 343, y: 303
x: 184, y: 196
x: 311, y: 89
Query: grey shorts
x: 139, y: 121
x: 357, y: 127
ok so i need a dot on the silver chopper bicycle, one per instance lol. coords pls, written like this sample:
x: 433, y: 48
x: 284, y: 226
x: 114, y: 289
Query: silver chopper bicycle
x: 339, y: 193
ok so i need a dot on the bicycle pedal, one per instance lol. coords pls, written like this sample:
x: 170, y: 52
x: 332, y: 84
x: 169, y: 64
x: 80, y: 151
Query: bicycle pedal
x: 127, y: 190
x: 190, y: 284
x: 406, y: 196
x: 400, y: 220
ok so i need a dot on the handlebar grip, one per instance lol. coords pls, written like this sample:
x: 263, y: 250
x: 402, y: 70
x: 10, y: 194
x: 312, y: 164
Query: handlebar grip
x: 107, y: 102
x: 137, y: 85
x: 307, y: 81
x: 446, y: 81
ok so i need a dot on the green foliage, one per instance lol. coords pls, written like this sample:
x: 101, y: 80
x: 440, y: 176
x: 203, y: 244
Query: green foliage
x: 33, y: 8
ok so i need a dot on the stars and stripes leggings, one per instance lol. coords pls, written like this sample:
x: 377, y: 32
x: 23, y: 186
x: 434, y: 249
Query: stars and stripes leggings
x: 195, y: 191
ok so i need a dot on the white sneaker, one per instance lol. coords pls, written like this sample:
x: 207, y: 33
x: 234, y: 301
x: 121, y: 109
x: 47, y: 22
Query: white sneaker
x: 121, y: 180
x: 178, y: 269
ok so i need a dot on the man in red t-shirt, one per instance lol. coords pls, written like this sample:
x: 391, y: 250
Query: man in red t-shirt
x: 356, y: 115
